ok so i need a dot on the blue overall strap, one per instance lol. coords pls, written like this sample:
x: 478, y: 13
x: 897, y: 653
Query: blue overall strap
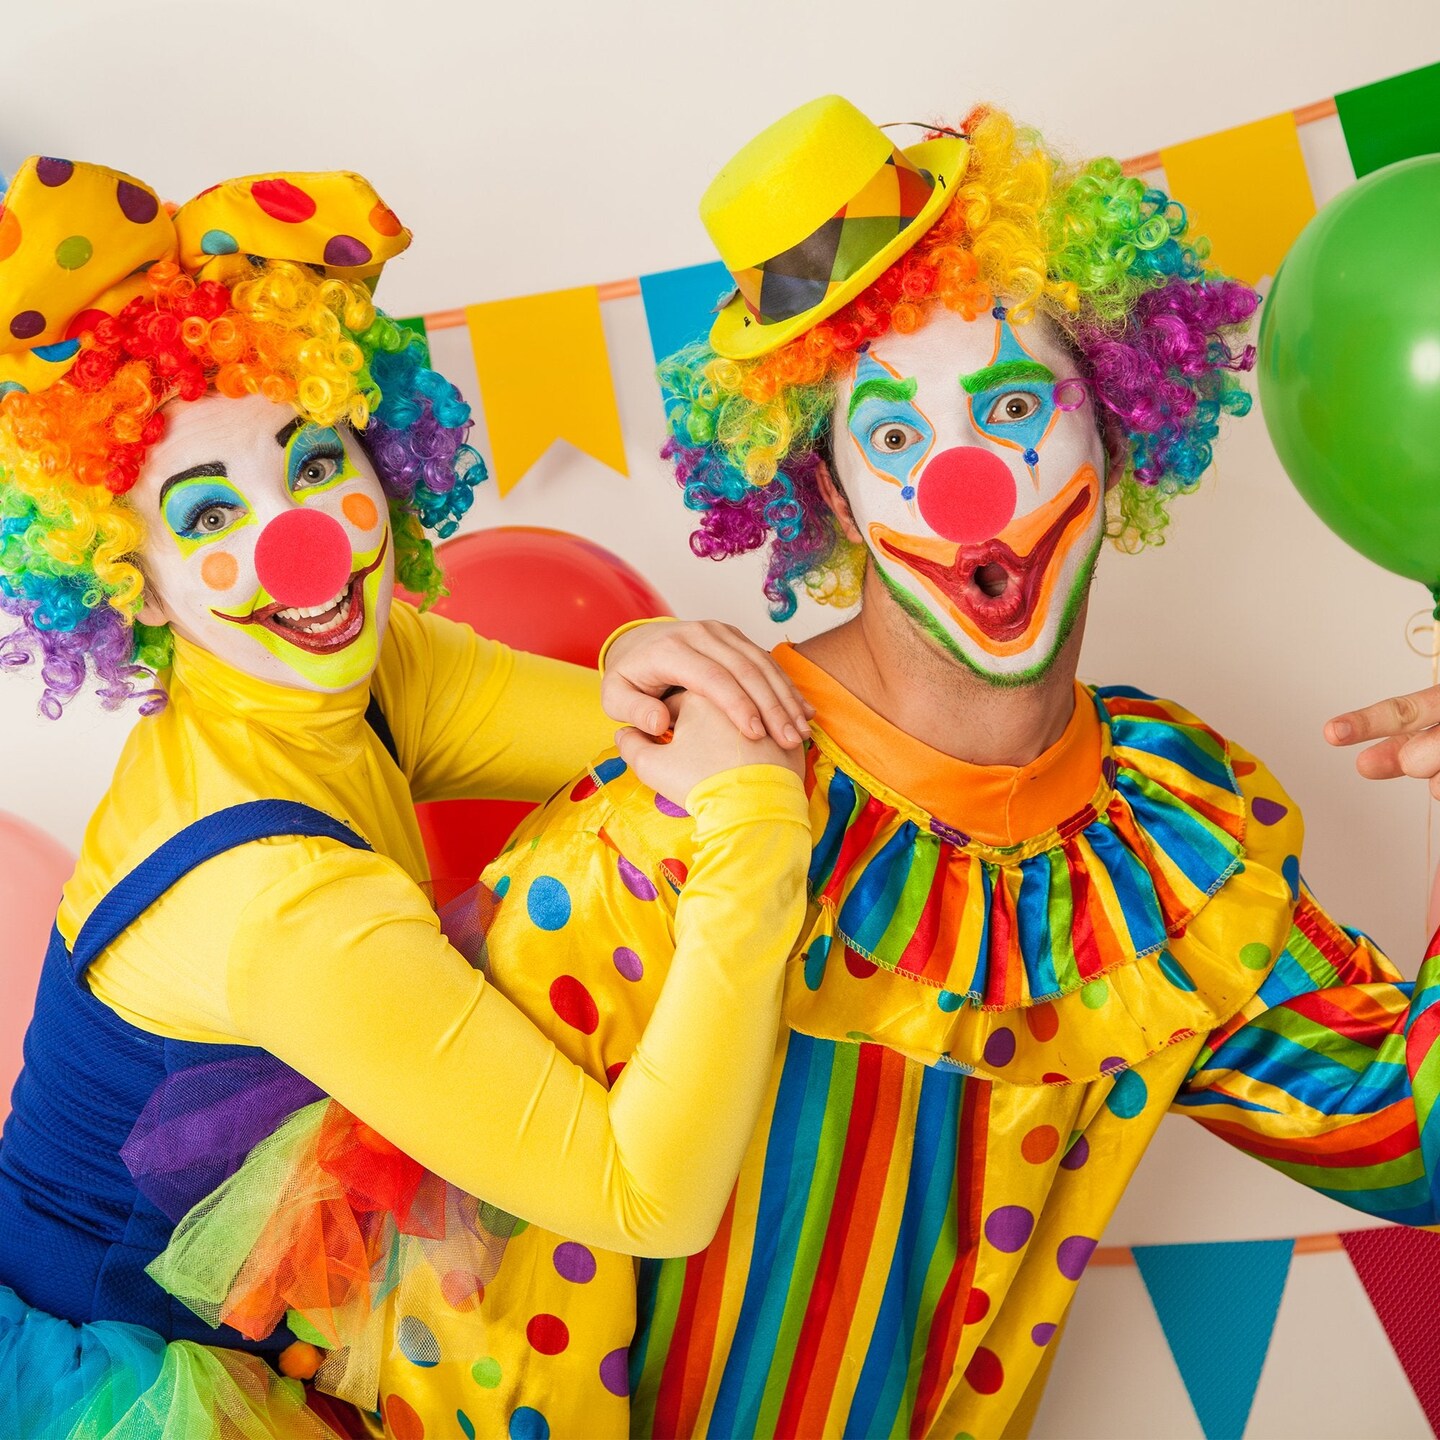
x: 237, y: 825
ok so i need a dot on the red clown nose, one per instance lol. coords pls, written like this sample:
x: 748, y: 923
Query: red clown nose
x: 303, y: 558
x: 967, y: 494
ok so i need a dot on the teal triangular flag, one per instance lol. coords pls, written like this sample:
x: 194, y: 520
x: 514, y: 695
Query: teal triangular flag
x: 1217, y: 1306
x: 680, y: 304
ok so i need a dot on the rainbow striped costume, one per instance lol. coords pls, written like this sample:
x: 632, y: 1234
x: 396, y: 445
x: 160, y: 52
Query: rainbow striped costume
x: 1006, y: 979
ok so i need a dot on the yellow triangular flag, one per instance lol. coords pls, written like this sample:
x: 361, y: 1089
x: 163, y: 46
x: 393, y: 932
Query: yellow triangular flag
x: 1248, y: 190
x: 544, y: 376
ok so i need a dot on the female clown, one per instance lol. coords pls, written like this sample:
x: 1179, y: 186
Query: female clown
x: 216, y: 459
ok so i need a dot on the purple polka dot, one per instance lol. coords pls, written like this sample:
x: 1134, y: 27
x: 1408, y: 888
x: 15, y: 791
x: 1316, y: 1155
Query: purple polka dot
x: 1108, y: 770
x: 53, y: 172
x: 27, y: 324
x: 1077, y: 1154
x: 136, y: 203
x: 628, y: 963
x: 1115, y: 1062
x: 1000, y: 1047
x: 635, y: 882
x: 346, y: 250
x: 1043, y: 1334
x: 1267, y: 812
x: 574, y: 1263
x: 670, y: 808
x: 615, y: 1372
x: 1074, y: 1255
x: 1009, y: 1227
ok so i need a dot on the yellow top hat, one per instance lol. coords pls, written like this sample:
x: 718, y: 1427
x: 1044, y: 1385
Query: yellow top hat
x: 811, y: 211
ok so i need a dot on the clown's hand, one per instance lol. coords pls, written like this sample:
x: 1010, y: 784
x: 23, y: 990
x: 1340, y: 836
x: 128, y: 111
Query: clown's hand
x: 708, y: 659
x: 705, y: 744
x: 1407, y: 731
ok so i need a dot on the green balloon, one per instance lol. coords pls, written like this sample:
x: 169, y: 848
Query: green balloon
x: 1350, y: 367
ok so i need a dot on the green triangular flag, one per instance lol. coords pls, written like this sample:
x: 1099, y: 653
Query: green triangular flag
x: 1392, y: 119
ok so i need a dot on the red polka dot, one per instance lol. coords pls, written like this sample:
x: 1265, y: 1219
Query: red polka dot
x: 401, y: 1420
x: 548, y: 1334
x: 1053, y: 1077
x: 574, y: 1004
x: 462, y: 1290
x: 585, y: 787
x: 612, y: 1072
x: 281, y: 200
x: 977, y: 1307
x: 85, y: 320
x: 1040, y: 1144
x: 985, y: 1372
x: 384, y: 221
x: 679, y: 871
x: 858, y: 965
x: 1042, y: 1022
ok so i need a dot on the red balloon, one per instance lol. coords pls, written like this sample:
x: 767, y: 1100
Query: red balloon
x: 545, y: 591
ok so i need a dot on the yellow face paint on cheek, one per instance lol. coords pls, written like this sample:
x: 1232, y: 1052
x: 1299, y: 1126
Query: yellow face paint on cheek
x: 219, y: 571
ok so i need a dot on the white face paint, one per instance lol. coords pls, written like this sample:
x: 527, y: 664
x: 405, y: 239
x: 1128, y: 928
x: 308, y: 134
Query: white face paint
x: 975, y: 474
x: 267, y: 542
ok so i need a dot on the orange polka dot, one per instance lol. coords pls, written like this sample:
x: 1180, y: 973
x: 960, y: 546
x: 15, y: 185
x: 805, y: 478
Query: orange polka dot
x: 401, y: 1420
x: 1043, y: 1022
x: 384, y: 221
x: 360, y: 511
x: 220, y: 570
x: 9, y: 233
x: 1040, y: 1144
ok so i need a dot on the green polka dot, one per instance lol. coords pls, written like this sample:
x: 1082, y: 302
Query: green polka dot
x: 486, y: 1373
x: 1256, y: 956
x: 1095, y: 994
x: 860, y: 1037
x: 71, y: 254
x: 302, y: 1329
x: 521, y: 1226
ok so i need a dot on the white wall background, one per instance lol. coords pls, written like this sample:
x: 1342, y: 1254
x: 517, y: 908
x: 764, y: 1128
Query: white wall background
x: 534, y: 146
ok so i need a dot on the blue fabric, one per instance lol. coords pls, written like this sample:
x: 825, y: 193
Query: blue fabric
x: 75, y: 1234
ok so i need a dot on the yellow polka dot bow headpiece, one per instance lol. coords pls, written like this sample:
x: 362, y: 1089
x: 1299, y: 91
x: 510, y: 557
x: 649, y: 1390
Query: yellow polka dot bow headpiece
x: 77, y: 239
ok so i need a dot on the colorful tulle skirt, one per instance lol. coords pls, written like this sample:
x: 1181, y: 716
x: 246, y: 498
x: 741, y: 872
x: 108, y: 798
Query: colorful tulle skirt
x: 113, y: 1381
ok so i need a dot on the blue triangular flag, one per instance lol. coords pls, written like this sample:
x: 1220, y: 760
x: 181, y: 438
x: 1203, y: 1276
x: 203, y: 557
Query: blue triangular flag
x: 1217, y: 1305
x: 680, y: 304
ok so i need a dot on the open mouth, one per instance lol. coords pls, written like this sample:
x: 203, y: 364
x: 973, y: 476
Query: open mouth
x: 991, y: 583
x: 318, y: 629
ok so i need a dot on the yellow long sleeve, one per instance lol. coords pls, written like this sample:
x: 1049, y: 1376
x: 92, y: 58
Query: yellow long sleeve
x: 340, y: 970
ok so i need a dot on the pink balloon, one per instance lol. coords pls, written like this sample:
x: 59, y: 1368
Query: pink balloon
x: 33, y: 871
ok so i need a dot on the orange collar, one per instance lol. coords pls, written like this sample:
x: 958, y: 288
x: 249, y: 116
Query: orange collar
x: 999, y: 805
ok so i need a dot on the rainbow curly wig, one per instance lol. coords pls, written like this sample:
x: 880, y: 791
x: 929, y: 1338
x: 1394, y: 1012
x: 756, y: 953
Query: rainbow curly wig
x: 1104, y: 257
x: 69, y: 453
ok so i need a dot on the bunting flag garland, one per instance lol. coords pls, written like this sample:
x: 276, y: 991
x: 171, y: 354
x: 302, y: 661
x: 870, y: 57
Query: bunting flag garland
x: 1392, y: 119
x: 544, y: 375
x: 1400, y: 1270
x: 680, y: 304
x: 1217, y: 1304
x: 1248, y: 190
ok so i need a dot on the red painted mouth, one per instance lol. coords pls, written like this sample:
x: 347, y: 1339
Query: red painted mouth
x: 318, y: 629
x: 991, y: 583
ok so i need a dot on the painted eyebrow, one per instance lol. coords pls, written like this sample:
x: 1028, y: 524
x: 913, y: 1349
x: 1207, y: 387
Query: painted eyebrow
x: 1001, y: 374
x: 283, y: 434
x: 210, y: 469
x: 880, y: 390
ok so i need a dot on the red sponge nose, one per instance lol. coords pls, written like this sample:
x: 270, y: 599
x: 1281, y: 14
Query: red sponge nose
x: 303, y: 558
x: 967, y: 494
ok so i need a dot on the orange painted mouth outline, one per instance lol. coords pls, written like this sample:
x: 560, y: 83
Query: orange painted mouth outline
x: 1007, y: 624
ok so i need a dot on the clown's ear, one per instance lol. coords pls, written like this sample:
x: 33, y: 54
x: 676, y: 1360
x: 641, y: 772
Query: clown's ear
x: 838, y: 502
x: 152, y: 610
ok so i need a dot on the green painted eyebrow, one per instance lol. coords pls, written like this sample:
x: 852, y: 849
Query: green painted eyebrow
x: 1004, y: 373
x: 880, y: 390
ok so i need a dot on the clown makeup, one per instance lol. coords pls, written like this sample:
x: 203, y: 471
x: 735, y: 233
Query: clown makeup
x: 267, y: 542
x: 973, y: 467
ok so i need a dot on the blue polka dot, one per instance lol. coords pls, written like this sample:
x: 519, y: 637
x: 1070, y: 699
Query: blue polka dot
x: 907, y: 492
x: 61, y: 350
x: 218, y: 242
x: 9, y: 386
x: 949, y: 1001
x: 1291, y: 871
x: 417, y: 1343
x: 998, y: 312
x: 467, y: 1428
x: 1127, y: 1096
x: 815, y: 958
x: 611, y: 769
x: 1032, y: 457
x: 1172, y: 970
x: 548, y: 903
x: 527, y: 1423
x: 502, y: 887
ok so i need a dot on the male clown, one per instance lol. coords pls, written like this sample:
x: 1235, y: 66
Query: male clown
x: 1041, y: 914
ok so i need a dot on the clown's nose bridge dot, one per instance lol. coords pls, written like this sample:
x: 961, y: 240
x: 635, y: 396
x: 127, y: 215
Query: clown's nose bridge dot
x: 303, y: 558
x: 967, y: 494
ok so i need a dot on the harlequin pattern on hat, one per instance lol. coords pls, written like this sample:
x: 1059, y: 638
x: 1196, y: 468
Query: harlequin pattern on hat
x: 76, y: 240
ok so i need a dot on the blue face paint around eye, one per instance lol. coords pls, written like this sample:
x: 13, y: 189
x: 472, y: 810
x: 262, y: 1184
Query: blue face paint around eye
x: 894, y: 436
x: 314, y: 443
x: 203, y: 507
x: 1012, y: 399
